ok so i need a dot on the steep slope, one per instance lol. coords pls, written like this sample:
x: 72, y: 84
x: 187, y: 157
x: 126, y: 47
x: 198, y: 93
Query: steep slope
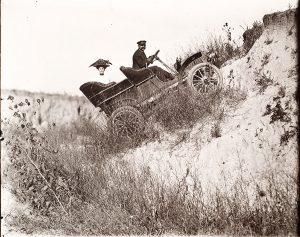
x: 258, y: 139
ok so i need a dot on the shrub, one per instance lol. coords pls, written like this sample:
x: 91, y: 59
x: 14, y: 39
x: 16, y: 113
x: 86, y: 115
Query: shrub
x: 265, y: 59
x: 286, y: 136
x: 263, y: 80
x: 251, y: 35
x: 219, y: 50
x: 216, y: 130
x: 41, y: 178
x: 277, y: 113
x: 282, y: 91
x: 268, y: 41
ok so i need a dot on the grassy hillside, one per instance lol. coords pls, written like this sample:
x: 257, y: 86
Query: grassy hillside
x: 225, y: 163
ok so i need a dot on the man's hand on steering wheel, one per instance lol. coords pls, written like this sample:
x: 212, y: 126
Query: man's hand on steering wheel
x: 150, y: 59
x: 154, y: 57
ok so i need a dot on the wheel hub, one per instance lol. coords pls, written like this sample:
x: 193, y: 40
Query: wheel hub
x: 206, y: 81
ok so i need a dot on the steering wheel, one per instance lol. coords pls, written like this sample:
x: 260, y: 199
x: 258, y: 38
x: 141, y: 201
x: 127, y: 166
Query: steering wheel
x: 154, y: 56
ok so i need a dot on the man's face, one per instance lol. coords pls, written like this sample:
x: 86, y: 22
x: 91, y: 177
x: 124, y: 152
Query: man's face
x: 101, y: 70
x: 142, y: 47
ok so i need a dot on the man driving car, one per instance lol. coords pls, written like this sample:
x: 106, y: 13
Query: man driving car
x: 140, y: 60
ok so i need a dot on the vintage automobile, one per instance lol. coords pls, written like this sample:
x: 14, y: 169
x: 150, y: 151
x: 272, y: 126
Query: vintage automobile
x: 128, y: 102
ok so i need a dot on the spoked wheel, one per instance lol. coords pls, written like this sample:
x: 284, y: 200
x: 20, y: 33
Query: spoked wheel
x: 126, y: 121
x: 204, y: 78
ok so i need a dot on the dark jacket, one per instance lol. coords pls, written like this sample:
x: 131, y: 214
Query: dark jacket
x: 139, y: 59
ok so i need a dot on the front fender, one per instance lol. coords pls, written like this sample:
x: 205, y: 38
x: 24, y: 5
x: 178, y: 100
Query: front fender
x: 181, y: 66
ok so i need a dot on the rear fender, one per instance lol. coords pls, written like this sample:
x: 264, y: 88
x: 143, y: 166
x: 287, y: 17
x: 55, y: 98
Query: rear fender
x: 90, y: 89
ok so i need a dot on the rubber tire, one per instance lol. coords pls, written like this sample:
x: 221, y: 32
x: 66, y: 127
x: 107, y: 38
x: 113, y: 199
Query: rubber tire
x: 195, y: 68
x: 122, y: 111
x: 192, y: 64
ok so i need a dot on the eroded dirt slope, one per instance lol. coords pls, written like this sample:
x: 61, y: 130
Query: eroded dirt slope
x: 259, y: 138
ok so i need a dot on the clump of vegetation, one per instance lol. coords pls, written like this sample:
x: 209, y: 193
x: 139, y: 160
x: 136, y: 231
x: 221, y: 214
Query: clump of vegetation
x: 292, y: 72
x: 268, y: 41
x: 40, y: 179
x: 221, y: 49
x: 216, y: 130
x: 218, y: 49
x: 265, y: 59
x: 286, y: 136
x: 251, y: 35
x: 294, y: 52
x: 277, y: 113
x: 282, y: 91
x: 263, y: 80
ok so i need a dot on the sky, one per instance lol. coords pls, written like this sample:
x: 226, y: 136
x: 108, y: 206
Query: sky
x: 48, y: 45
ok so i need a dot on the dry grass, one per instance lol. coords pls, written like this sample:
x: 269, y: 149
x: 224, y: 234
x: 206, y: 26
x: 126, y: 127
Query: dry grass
x: 105, y: 195
x: 251, y: 35
x: 218, y: 49
x: 180, y: 110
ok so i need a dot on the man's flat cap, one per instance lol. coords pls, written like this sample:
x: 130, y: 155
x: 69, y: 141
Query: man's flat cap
x: 141, y: 42
x: 101, y: 63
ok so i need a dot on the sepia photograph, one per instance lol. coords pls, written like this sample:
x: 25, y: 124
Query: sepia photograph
x: 145, y: 117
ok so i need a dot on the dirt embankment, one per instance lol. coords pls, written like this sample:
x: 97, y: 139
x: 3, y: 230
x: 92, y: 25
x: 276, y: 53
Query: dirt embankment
x: 256, y: 139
